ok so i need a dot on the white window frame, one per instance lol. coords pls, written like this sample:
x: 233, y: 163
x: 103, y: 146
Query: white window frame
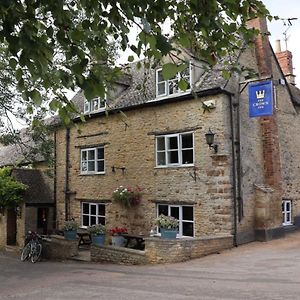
x: 180, y: 220
x: 179, y: 150
x: 89, y: 106
x: 96, y: 160
x: 89, y: 214
x: 286, y: 213
x: 167, y: 83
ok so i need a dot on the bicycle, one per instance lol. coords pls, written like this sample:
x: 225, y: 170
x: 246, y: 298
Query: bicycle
x: 32, y: 248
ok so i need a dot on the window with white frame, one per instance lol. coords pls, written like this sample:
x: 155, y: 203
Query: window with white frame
x: 92, y: 213
x: 175, y: 150
x: 286, y: 212
x: 95, y: 105
x: 92, y: 160
x: 183, y: 213
x: 170, y: 87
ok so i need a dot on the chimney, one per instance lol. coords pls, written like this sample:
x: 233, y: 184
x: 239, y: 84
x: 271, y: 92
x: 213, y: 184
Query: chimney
x: 285, y: 59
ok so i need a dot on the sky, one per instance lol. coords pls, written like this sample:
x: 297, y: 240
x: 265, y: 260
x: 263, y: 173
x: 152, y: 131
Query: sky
x: 285, y: 9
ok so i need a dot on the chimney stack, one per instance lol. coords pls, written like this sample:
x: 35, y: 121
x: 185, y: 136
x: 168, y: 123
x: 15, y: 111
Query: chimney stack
x: 285, y: 59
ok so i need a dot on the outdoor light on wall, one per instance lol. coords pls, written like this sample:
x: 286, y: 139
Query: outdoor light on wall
x: 210, y: 136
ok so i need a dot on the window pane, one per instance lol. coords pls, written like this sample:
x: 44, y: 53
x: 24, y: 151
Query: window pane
x: 91, y: 154
x: 93, y: 209
x: 175, y: 212
x: 185, y: 73
x: 160, y: 143
x: 91, y: 166
x: 187, y: 157
x: 100, y: 166
x: 159, y: 76
x: 86, y: 106
x: 187, y: 229
x: 161, y: 88
x: 100, y: 152
x: 93, y: 220
x: 85, y: 221
x: 163, y: 209
x: 101, y: 209
x: 187, y: 213
x: 101, y: 220
x: 187, y: 140
x: 161, y: 158
x: 173, y: 157
x: 173, y: 87
x: 102, y: 103
x: 83, y: 155
x: 84, y: 166
x: 288, y: 206
x: 85, y: 208
x: 173, y: 142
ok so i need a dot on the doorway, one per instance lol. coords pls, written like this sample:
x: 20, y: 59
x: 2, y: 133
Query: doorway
x: 11, y: 227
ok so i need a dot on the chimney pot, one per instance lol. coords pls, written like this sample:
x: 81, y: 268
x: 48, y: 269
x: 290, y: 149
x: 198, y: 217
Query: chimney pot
x: 277, y: 46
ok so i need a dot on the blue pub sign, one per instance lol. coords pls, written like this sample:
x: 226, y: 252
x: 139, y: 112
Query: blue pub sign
x: 261, y: 99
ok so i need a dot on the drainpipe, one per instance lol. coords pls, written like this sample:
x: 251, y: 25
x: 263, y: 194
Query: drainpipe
x: 67, y: 195
x: 233, y: 173
x: 55, y: 183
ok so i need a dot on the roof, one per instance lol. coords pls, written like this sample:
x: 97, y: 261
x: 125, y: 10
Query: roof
x: 38, y: 191
x: 15, y: 154
x: 142, y: 89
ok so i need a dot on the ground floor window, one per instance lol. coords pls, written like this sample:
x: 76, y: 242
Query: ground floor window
x: 286, y: 212
x: 92, y: 213
x: 184, y: 214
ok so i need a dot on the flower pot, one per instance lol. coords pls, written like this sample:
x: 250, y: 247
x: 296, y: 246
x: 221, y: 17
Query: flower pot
x: 117, y: 240
x: 98, y: 239
x: 168, y: 234
x: 70, y: 235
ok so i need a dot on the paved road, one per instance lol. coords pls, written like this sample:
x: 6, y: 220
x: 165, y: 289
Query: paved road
x: 254, y: 271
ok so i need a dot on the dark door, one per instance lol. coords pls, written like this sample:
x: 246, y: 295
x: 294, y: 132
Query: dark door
x: 11, y: 227
x: 42, y: 220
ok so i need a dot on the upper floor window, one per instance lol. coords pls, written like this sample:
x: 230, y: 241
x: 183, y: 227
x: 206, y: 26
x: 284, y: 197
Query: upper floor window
x: 94, y: 105
x: 175, y: 149
x: 170, y: 87
x: 92, y: 160
x: 183, y: 213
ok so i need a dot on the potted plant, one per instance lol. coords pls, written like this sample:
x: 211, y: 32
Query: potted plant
x: 127, y: 196
x: 97, y: 233
x: 168, y: 226
x: 70, y: 230
x: 116, y: 236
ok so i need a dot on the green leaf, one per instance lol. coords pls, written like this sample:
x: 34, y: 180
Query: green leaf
x: 169, y: 71
x: 130, y: 58
x: 183, y: 85
x: 13, y: 63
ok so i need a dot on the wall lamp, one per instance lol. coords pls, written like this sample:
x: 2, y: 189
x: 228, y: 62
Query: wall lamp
x: 210, y: 136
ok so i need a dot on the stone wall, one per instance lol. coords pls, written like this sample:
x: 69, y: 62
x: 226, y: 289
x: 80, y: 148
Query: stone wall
x: 57, y: 247
x: 118, y: 255
x: 158, y: 250
x: 169, y: 251
x: 130, y: 143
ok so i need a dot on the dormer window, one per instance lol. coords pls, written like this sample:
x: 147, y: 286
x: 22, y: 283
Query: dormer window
x: 95, y: 105
x: 169, y: 87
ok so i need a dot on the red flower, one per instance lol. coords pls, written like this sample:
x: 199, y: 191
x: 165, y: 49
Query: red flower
x: 118, y: 230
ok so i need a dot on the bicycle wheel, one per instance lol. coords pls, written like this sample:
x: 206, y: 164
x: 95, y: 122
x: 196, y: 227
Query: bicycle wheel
x: 36, y: 252
x: 25, y: 252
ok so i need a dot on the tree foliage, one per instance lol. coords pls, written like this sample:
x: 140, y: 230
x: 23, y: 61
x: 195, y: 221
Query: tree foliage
x: 79, y: 34
x: 10, y: 189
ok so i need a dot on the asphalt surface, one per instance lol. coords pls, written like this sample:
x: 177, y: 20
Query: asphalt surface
x: 253, y: 271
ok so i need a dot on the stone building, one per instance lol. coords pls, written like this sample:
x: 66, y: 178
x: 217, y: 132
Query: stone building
x: 38, y: 211
x: 154, y: 137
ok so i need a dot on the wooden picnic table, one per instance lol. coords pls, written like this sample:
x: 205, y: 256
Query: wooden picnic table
x: 137, y: 239
x: 84, y: 237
